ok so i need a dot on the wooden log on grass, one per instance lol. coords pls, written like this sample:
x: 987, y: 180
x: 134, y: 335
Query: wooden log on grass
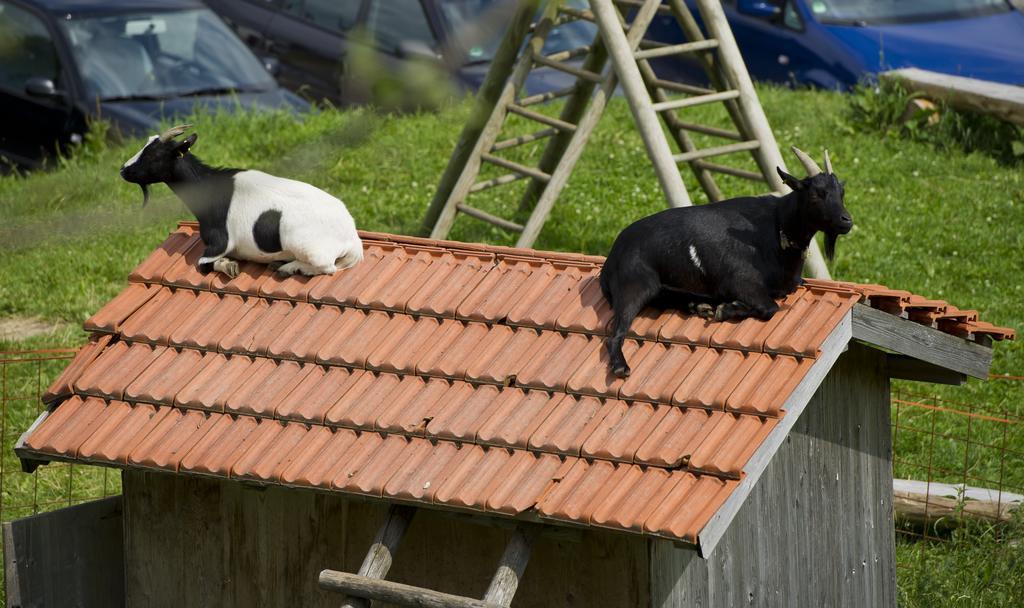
x: 926, y: 503
x: 1004, y: 101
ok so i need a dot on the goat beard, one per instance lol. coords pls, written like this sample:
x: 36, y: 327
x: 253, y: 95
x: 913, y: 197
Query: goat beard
x: 830, y: 245
x: 145, y: 194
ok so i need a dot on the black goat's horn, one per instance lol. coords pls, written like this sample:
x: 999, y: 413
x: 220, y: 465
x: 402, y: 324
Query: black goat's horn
x: 173, y: 132
x: 828, y: 164
x: 808, y: 162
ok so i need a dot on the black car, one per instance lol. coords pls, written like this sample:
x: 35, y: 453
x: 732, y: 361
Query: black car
x: 132, y: 62
x: 337, y: 49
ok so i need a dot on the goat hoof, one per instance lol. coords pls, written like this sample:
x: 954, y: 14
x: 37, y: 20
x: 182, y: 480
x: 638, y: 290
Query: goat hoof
x: 228, y: 267
x: 720, y: 313
x: 705, y: 311
x: 621, y: 371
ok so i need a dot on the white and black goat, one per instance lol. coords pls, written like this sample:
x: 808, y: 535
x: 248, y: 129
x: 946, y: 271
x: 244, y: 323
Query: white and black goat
x: 727, y: 260
x: 249, y: 215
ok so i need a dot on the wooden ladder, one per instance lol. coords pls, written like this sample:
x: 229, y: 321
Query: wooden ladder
x: 621, y: 41
x: 369, y: 584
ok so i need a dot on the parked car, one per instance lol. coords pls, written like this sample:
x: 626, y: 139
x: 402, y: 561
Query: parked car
x: 316, y: 40
x: 834, y: 44
x: 130, y: 61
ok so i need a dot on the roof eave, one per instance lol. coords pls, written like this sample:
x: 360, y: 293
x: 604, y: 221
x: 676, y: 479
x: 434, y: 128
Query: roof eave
x: 920, y: 342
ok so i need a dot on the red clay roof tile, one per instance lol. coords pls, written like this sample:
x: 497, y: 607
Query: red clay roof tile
x: 517, y: 415
x: 508, y: 409
x: 109, y: 318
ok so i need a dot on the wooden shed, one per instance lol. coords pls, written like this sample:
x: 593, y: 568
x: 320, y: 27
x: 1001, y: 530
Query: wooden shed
x: 266, y: 428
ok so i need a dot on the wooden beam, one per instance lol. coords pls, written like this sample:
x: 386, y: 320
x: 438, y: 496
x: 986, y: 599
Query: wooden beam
x: 920, y: 342
x: 380, y: 556
x: 909, y: 368
x: 512, y: 565
x: 1003, y: 101
x: 925, y: 503
x: 394, y: 593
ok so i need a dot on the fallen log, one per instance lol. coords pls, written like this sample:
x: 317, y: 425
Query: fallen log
x: 926, y: 503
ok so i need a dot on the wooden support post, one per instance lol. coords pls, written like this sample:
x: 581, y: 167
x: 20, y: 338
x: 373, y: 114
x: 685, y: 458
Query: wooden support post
x: 636, y: 94
x: 767, y: 155
x: 512, y: 565
x: 486, y: 101
x: 394, y: 593
x: 569, y: 154
x: 380, y: 556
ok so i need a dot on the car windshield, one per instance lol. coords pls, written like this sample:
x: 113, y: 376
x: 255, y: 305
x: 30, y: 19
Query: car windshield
x: 902, y: 11
x: 160, y: 55
x: 479, y: 25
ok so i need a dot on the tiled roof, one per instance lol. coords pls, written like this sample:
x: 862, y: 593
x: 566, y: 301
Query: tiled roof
x: 450, y: 374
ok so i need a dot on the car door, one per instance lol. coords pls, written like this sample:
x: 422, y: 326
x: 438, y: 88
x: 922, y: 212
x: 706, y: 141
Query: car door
x: 32, y: 125
x: 310, y: 39
x: 249, y: 19
x: 774, y: 48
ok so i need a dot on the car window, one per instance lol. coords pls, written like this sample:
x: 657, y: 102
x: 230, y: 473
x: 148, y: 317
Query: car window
x: 335, y: 15
x: 392, y: 22
x: 791, y: 17
x: 161, y: 54
x: 26, y: 48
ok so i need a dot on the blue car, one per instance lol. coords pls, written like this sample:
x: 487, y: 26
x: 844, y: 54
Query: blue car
x: 834, y: 44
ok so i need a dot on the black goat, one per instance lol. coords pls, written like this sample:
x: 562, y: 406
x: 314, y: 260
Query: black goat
x: 727, y: 260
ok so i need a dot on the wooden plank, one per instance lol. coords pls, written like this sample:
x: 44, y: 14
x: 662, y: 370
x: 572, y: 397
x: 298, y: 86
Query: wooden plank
x: 395, y: 593
x: 833, y: 346
x: 512, y: 565
x: 716, y: 151
x: 556, y: 123
x: 514, y: 166
x: 380, y: 556
x: 924, y: 343
x: 1004, y: 101
x: 677, y: 49
x: 647, y: 122
x: 482, y: 215
x: 68, y: 557
x: 923, y: 502
x: 686, y: 102
x: 909, y: 368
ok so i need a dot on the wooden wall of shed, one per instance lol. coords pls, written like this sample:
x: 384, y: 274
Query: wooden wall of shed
x: 818, y: 528
x: 202, y: 542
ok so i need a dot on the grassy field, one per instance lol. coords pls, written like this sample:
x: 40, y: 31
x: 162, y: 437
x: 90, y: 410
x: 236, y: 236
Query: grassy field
x: 936, y: 221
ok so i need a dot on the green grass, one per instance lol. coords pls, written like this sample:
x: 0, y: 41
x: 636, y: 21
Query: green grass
x: 939, y: 221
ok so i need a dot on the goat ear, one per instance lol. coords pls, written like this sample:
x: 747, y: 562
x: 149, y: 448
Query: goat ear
x: 789, y: 180
x: 186, y: 144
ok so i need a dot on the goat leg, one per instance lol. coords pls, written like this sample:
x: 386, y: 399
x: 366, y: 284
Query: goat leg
x: 629, y: 301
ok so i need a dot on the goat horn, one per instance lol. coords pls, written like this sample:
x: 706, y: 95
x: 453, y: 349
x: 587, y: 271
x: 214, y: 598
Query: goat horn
x: 173, y: 132
x: 828, y: 164
x: 808, y: 163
